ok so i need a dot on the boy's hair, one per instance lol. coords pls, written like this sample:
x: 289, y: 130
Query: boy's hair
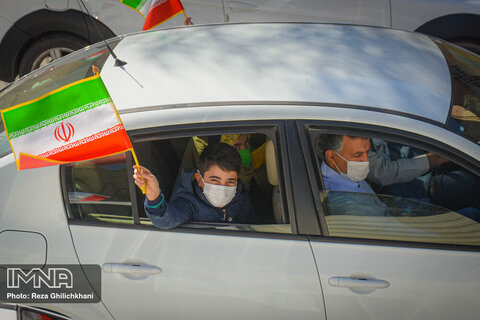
x: 222, y: 155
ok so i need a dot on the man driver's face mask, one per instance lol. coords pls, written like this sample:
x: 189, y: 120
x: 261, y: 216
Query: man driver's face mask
x: 356, y: 170
x: 219, y: 196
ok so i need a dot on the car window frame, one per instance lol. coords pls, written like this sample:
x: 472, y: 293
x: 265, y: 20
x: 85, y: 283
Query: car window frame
x: 272, y: 128
x: 304, y: 128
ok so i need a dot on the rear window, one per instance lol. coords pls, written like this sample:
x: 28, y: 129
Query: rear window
x: 464, y: 117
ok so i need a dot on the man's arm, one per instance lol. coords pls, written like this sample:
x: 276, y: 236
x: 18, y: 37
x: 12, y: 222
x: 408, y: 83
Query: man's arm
x: 385, y: 172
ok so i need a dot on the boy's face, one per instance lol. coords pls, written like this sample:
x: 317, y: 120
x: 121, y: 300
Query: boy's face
x: 216, y: 175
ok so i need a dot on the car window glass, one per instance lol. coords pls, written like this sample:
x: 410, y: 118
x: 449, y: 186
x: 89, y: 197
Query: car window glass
x: 404, y: 197
x: 465, y: 112
x: 383, y: 217
x: 98, y: 190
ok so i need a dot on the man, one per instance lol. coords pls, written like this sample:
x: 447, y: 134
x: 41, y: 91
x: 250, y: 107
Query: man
x: 346, y: 165
x: 344, y: 168
x: 381, y: 168
x: 212, y: 193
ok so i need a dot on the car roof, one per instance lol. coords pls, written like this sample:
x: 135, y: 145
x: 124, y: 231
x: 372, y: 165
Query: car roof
x: 271, y: 63
x: 392, y: 70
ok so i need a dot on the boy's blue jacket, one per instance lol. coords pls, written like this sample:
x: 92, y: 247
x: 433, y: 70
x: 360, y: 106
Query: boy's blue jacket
x: 188, y: 203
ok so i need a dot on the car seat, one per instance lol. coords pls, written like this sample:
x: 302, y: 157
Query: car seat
x: 272, y: 174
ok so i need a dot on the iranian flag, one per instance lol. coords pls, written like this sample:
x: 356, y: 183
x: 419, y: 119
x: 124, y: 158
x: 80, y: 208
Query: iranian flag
x: 73, y: 123
x: 155, y: 11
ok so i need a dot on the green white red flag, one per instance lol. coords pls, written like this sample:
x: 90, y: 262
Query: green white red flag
x: 155, y: 12
x: 74, y: 123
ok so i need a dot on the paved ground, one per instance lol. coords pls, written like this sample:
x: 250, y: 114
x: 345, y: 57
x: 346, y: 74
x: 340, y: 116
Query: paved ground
x: 2, y: 84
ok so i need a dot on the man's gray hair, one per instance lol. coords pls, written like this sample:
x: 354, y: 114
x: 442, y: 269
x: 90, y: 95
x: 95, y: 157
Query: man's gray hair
x: 326, y: 142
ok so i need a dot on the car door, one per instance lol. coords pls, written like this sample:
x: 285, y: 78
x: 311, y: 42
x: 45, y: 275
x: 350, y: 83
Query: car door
x: 368, y: 12
x: 414, y: 261
x: 202, y: 271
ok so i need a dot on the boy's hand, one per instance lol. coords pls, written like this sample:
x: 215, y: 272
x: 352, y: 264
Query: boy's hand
x: 145, y: 179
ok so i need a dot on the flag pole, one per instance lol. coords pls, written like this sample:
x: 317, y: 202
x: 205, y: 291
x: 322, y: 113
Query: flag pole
x: 138, y: 166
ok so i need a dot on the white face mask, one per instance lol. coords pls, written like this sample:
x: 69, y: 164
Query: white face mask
x: 356, y: 170
x: 219, y: 196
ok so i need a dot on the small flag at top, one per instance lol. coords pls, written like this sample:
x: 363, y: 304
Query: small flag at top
x: 155, y: 12
x: 74, y: 123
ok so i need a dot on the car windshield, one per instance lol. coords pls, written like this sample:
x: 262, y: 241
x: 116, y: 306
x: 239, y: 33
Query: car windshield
x: 464, y: 117
x: 61, y: 72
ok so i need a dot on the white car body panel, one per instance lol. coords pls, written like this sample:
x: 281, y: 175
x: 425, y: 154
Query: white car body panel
x: 203, y: 276
x: 411, y: 14
x: 39, y: 207
x: 364, y: 12
x: 4, y: 26
x: 432, y: 284
x: 21, y: 8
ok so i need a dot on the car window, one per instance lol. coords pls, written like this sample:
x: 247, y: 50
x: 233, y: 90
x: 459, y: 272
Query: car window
x: 98, y: 190
x: 405, y: 195
x: 464, y: 115
x: 383, y: 217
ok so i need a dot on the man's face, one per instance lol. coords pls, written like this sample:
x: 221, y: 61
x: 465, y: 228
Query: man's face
x: 216, y: 175
x: 354, y: 149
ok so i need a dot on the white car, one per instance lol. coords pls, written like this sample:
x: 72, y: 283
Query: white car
x: 34, y: 33
x: 283, y: 85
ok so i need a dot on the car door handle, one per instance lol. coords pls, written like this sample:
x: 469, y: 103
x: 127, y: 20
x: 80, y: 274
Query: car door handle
x: 237, y: 6
x: 130, y: 268
x: 348, y: 282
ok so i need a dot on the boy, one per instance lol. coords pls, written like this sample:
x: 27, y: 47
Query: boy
x: 212, y: 193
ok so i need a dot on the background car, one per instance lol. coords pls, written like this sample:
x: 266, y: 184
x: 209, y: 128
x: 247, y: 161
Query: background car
x: 283, y: 85
x: 33, y: 33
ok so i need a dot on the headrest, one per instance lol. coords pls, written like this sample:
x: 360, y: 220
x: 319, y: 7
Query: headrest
x: 271, y: 162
